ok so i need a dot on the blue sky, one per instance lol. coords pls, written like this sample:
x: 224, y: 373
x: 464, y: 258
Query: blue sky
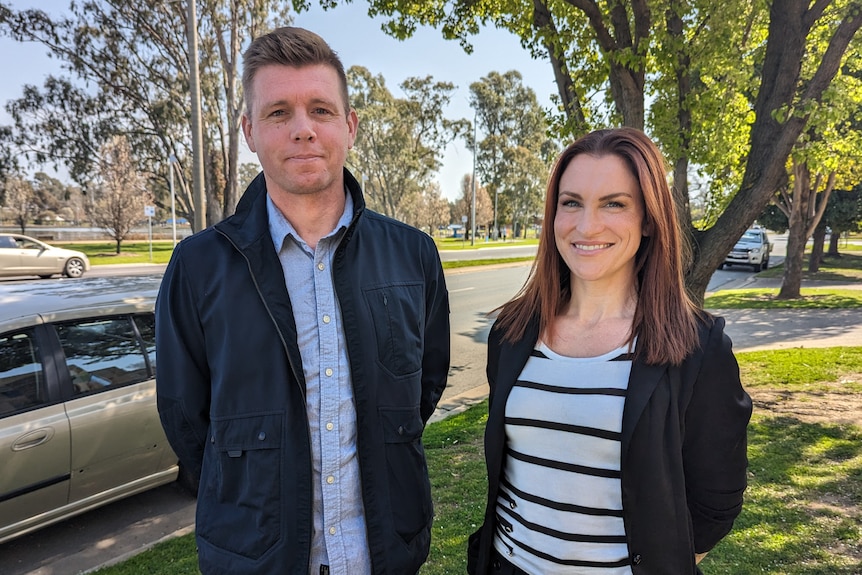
x: 359, y: 41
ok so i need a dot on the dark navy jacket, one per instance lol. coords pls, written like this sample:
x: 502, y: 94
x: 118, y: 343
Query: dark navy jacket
x: 683, y: 468
x: 231, y: 392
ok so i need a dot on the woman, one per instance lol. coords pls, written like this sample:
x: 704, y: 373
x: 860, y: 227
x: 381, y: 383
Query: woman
x: 616, y: 437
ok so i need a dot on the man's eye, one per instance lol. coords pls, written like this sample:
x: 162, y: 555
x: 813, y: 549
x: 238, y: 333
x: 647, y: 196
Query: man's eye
x: 322, y: 111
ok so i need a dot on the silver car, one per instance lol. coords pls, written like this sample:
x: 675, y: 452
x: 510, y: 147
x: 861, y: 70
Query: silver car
x: 26, y: 256
x: 78, y: 421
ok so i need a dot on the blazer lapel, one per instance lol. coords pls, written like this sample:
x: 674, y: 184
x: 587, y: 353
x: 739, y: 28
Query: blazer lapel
x: 642, y: 383
x: 512, y: 359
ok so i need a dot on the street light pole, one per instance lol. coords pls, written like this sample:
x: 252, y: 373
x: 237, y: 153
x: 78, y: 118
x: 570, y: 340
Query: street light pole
x: 473, y: 202
x: 197, y: 133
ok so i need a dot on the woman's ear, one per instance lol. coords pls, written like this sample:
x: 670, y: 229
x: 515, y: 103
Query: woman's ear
x: 647, y: 228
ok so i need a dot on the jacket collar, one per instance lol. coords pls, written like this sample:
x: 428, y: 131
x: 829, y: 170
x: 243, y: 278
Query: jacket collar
x: 250, y: 221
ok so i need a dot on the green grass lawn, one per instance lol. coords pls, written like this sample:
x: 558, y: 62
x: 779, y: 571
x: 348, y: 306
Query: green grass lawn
x: 131, y: 252
x: 459, y: 244
x: 812, y: 298
x: 803, y: 509
x: 846, y: 267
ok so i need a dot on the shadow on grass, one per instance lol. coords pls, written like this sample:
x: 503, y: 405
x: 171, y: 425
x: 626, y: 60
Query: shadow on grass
x: 802, y: 508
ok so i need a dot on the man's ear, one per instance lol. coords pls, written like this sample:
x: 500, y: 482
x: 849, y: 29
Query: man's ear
x: 352, y: 127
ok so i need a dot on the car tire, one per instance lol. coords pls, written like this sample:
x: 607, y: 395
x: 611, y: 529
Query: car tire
x: 765, y: 264
x: 721, y: 266
x: 74, y: 268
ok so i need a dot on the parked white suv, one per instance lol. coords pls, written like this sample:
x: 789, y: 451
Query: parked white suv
x: 752, y: 250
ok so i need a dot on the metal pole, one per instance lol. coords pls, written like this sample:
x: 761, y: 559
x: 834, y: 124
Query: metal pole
x: 171, y: 160
x: 473, y: 182
x: 150, y: 225
x: 197, y: 133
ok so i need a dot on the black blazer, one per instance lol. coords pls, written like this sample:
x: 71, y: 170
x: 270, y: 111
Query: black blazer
x: 683, y: 468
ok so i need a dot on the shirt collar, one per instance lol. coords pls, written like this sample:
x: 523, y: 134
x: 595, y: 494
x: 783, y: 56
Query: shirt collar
x: 280, y: 228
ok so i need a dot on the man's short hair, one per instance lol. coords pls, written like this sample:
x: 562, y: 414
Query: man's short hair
x: 290, y: 46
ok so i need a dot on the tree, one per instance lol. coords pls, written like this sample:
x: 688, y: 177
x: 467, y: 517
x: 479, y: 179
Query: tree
x: 127, y: 66
x: 400, y: 140
x: 20, y: 199
x: 427, y: 210
x: 843, y: 214
x: 464, y: 204
x: 512, y: 156
x: 121, y: 192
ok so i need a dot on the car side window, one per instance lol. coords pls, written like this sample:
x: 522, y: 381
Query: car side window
x: 102, y: 353
x: 8, y: 242
x: 21, y: 374
x: 147, y: 328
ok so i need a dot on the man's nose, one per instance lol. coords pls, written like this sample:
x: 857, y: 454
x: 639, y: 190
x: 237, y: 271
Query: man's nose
x: 303, y: 128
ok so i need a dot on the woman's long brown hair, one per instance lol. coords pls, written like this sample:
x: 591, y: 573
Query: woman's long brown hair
x: 665, y: 320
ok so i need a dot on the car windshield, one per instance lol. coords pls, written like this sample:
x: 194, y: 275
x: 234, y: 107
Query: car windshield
x: 750, y: 238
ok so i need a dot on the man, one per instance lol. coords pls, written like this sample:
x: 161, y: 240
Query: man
x: 303, y: 344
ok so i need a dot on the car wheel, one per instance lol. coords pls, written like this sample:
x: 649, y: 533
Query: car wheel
x: 765, y: 264
x: 721, y: 266
x: 74, y: 268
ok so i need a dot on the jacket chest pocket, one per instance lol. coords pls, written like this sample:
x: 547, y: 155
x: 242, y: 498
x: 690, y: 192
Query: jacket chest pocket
x: 398, y: 317
x: 239, y: 501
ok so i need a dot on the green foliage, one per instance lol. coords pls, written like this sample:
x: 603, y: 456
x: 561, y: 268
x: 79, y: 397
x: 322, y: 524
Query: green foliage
x: 513, y: 157
x: 401, y: 140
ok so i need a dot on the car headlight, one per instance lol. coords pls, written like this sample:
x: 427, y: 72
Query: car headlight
x: 755, y: 251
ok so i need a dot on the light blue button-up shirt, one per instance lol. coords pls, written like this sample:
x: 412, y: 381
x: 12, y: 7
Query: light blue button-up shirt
x: 339, y: 539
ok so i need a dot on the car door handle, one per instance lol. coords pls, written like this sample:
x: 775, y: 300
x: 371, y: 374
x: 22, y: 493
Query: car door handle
x: 33, y: 439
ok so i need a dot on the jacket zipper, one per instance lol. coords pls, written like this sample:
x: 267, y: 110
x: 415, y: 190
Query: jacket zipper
x: 292, y: 369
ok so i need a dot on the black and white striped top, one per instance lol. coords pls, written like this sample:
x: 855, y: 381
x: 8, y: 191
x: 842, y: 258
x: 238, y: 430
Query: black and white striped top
x: 560, y: 504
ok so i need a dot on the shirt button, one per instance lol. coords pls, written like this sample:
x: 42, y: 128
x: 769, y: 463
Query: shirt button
x: 330, y: 480
x: 326, y: 319
x: 636, y: 560
x: 329, y: 426
x: 261, y: 436
x: 320, y: 266
x: 332, y: 530
x: 328, y: 372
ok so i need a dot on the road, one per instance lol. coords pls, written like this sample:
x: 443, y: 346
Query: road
x: 123, y: 528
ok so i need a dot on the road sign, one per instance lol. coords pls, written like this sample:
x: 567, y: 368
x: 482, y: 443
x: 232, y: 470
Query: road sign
x: 150, y: 211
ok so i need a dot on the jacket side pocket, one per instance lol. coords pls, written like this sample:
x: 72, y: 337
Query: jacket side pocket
x: 407, y: 471
x: 239, y: 499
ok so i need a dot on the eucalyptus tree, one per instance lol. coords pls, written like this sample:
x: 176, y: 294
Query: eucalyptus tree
x: 464, y: 203
x: 19, y: 199
x: 515, y: 149
x: 125, y: 71
x: 400, y: 141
